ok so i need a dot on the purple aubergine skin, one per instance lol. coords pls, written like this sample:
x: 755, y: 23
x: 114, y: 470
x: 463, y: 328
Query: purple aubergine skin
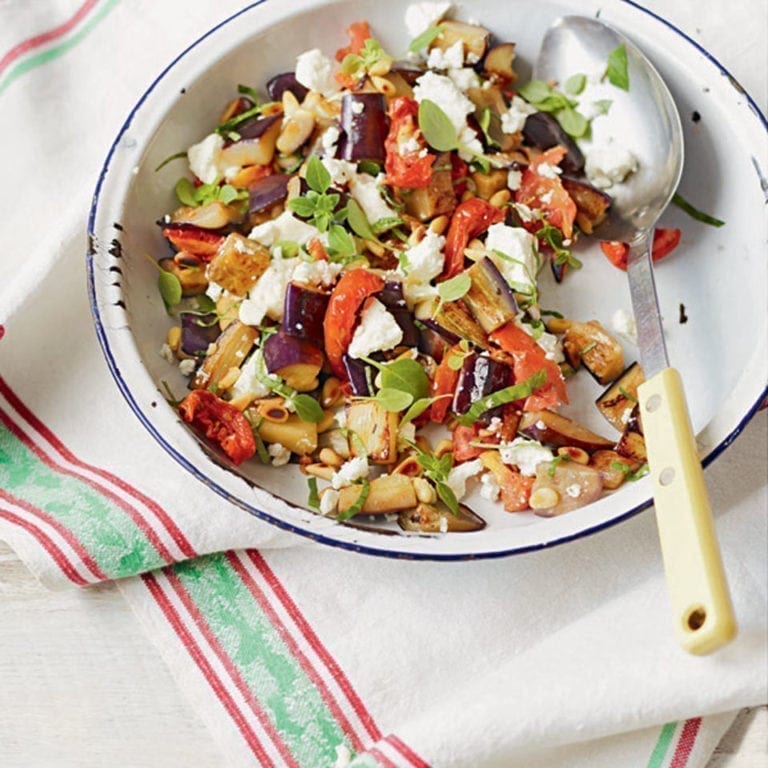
x: 265, y: 192
x: 504, y: 294
x: 257, y: 127
x: 303, y: 312
x: 449, y: 336
x: 283, y: 82
x: 543, y: 131
x: 432, y: 343
x: 364, y: 127
x: 282, y: 350
x: 358, y: 374
x: 391, y: 296
x: 480, y: 376
x: 198, y: 332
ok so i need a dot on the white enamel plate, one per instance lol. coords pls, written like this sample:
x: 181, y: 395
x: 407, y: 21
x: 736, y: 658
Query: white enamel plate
x: 712, y: 290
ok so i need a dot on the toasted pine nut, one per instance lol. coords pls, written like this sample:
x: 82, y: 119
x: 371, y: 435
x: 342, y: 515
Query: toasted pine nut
x: 558, y: 325
x: 439, y: 224
x: 424, y: 490
x: 273, y: 410
x: 290, y: 103
x: 468, y: 195
x: 174, y: 338
x: 443, y: 447
x: 320, y: 470
x: 500, y: 198
x: 544, y: 498
x: 229, y: 378
x: 578, y: 455
x: 331, y: 392
x: 295, y: 131
x: 294, y: 188
x: 375, y: 248
x: 330, y: 457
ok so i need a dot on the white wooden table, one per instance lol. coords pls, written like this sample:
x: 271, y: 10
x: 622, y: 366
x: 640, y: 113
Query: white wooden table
x: 80, y: 684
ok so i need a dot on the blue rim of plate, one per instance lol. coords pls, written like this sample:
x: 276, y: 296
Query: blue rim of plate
x: 315, y: 536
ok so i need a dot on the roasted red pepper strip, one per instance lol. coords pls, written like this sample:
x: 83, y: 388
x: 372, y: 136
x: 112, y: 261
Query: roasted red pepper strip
x: 528, y: 359
x: 463, y: 450
x: 358, y: 32
x: 410, y: 169
x: 470, y: 219
x: 542, y: 190
x: 200, y: 242
x: 664, y: 242
x: 221, y: 422
x: 348, y: 296
x: 444, y: 385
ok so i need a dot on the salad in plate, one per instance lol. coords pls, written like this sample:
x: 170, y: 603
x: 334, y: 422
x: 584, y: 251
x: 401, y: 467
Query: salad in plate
x: 353, y: 267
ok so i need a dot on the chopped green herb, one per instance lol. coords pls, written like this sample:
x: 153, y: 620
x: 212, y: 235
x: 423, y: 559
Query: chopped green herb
x: 365, y: 489
x: 251, y: 93
x: 228, y: 127
x: 169, y: 159
x: 629, y: 475
x: 534, y: 91
x: 553, y: 465
x: 627, y: 395
x: 314, y: 498
x: 554, y: 238
x: 417, y: 408
x: 694, y: 212
x: 617, y: 70
x: 486, y: 118
x: 170, y: 289
x: 437, y: 128
x: 448, y: 497
x: 341, y: 242
x: 358, y: 222
x: 454, y: 288
x: 425, y: 39
x: 359, y: 65
x: 394, y: 400
x: 573, y: 122
x: 586, y: 350
x: 518, y: 391
x: 370, y: 167
x: 170, y: 398
x: 318, y: 177
x: 575, y: 84
x: 193, y: 196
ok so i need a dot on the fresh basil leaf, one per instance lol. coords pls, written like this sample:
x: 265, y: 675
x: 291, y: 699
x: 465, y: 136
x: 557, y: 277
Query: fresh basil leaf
x: 617, y: 71
x: 307, y: 408
x: 518, y: 391
x: 436, y: 127
x: 394, y: 400
x: 425, y: 39
x: 455, y: 288
x: 575, y: 84
x: 694, y: 212
x: 406, y: 375
x: 387, y: 223
x: 417, y: 408
x: 365, y: 489
x: 318, y: 177
x: 448, y: 497
x: 314, y: 498
x: 170, y: 288
x: 340, y: 241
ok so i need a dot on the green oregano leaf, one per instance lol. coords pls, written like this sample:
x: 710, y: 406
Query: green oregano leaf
x: 170, y: 289
x: 314, y: 498
x: 425, y: 39
x: 617, y: 70
x: 436, y: 127
x: 358, y: 221
x: 307, y: 408
x: 575, y: 84
x: 455, y: 288
x: 573, y: 122
x: 394, y: 400
x: 318, y: 177
x: 448, y: 497
x: 417, y: 408
x: 340, y: 241
x: 185, y: 192
x: 534, y: 91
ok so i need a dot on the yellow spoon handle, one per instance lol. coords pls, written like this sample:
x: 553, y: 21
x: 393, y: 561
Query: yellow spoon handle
x: 701, y: 604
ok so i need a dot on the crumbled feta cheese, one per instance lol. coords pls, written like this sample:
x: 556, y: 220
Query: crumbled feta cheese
x: 443, y: 91
x: 443, y: 524
x: 514, y: 179
x: 341, y: 418
x: 525, y: 213
x: 247, y: 384
x: 551, y: 344
x: 524, y: 454
x: 489, y: 487
x: 548, y: 171
x: 419, y: 17
x: 349, y: 471
x: 205, y: 157
x: 341, y: 171
x: 574, y: 491
x: 406, y: 435
x: 329, y: 140
x: 377, y: 331
x: 266, y: 297
x: 285, y: 227
x: 329, y: 501
x: 519, y: 262
x: 213, y: 291
x: 425, y: 260
x: 464, y: 78
x: 408, y: 146
x: 453, y: 58
x: 458, y: 476
x: 624, y: 324
x: 470, y: 144
x: 365, y: 190
x: 167, y: 354
x: 280, y: 454
x: 187, y: 367
x: 314, y: 70
x: 316, y: 273
x: 609, y: 164
x: 514, y: 118
x: 495, y: 425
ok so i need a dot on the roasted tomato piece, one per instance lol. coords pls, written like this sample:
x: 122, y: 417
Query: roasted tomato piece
x: 192, y: 239
x: 470, y: 219
x: 664, y: 242
x: 406, y: 164
x: 220, y: 422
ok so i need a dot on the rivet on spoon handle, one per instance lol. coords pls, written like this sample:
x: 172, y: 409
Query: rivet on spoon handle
x: 701, y: 604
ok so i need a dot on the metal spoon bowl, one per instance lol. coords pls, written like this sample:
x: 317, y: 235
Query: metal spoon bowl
x: 645, y: 121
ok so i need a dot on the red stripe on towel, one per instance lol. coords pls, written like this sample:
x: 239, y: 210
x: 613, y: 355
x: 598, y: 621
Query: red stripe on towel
x: 686, y: 743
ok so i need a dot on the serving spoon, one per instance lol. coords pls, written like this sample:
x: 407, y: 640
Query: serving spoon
x: 644, y: 119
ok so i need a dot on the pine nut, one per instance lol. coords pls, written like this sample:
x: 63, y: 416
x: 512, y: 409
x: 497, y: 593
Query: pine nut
x: 320, y: 470
x: 544, y: 498
x: 439, y: 225
x: 577, y: 455
x: 444, y: 446
x: 375, y: 248
x: 330, y: 457
x: 228, y: 380
x: 501, y: 198
x: 331, y: 392
x: 425, y: 493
